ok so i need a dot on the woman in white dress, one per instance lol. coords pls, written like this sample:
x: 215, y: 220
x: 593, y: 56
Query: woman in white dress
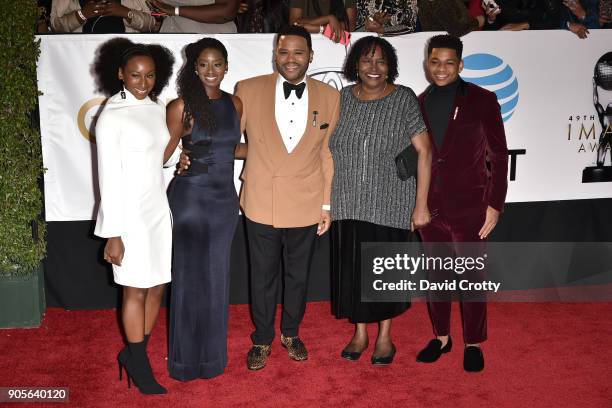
x: 134, y: 215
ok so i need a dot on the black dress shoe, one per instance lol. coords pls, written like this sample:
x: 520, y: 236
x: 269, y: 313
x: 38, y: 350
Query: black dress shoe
x: 351, y: 355
x: 258, y: 356
x: 295, y: 347
x: 434, y: 350
x: 473, y: 360
x: 385, y: 360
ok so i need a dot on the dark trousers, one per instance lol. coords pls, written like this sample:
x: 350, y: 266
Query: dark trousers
x: 463, y: 228
x: 267, y: 247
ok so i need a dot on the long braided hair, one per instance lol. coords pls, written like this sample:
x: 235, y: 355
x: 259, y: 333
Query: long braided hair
x: 190, y: 88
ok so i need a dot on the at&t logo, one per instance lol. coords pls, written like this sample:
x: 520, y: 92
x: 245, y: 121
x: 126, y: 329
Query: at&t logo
x: 493, y: 74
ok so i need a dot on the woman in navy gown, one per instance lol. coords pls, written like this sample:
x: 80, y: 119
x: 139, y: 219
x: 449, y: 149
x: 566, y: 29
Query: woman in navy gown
x: 205, y: 207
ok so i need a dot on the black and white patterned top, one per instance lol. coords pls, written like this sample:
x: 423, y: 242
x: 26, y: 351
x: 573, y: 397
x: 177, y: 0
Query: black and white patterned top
x: 402, y: 13
x: 368, y: 136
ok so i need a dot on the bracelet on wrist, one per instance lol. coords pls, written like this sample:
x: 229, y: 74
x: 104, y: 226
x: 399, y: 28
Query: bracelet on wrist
x: 81, y: 16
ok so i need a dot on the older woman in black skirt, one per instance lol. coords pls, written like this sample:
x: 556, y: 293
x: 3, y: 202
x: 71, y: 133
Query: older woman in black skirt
x: 378, y: 119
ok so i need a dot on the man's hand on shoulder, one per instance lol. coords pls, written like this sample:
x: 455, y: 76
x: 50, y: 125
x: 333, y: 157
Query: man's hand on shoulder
x: 184, y: 162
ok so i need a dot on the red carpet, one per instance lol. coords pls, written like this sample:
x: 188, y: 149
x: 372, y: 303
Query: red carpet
x: 541, y: 355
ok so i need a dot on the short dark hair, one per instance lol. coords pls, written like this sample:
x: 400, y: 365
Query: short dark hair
x: 294, y: 30
x: 115, y: 54
x: 445, y: 41
x: 367, y: 45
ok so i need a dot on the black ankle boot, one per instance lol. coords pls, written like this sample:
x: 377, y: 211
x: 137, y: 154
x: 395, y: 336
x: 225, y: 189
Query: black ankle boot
x: 124, y: 354
x: 139, y: 369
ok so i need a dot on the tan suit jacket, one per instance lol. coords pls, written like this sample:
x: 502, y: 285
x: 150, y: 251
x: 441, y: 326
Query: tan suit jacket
x: 282, y: 189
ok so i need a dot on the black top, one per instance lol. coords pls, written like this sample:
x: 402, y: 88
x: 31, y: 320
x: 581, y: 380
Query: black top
x: 102, y: 24
x: 217, y: 147
x: 438, y: 105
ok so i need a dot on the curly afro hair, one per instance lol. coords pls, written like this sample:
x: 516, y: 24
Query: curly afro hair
x: 190, y: 87
x: 116, y: 53
x: 367, y: 46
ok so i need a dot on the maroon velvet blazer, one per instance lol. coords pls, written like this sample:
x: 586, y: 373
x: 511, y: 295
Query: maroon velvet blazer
x: 460, y: 179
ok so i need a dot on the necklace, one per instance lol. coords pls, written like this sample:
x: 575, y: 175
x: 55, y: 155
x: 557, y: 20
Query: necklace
x: 381, y: 93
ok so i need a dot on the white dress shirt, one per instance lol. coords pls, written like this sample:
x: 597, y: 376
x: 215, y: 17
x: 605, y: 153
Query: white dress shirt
x: 291, y: 114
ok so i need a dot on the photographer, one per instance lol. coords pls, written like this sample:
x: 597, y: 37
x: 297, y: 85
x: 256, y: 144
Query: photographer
x: 518, y: 15
x: 605, y: 13
x: 262, y: 16
x: 102, y: 16
x: 315, y: 15
x: 581, y: 15
x: 451, y: 16
x: 197, y: 16
x: 387, y: 17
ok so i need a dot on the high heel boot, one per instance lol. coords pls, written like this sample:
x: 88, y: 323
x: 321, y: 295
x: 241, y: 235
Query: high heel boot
x: 139, y: 370
x: 123, y: 356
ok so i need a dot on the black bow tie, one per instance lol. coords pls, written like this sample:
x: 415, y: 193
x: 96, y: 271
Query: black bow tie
x: 299, y: 89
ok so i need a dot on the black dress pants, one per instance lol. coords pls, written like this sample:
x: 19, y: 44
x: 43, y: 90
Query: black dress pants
x: 267, y: 247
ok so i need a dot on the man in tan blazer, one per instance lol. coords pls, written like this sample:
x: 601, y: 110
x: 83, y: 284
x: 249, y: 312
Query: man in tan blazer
x: 288, y: 119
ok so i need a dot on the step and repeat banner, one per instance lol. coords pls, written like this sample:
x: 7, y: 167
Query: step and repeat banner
x: 555, y: 93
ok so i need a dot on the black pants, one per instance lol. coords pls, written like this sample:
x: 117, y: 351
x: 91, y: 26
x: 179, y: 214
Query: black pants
x: 267, y: 246
x: 444, y: 228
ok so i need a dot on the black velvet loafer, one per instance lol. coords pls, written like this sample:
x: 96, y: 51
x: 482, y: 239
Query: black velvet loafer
x: 385, y: 360
x: 434, y: 350
x: 473, y: 360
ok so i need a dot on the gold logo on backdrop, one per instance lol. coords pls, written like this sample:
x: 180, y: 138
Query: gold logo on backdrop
x: 581, y: 129
x: 86, y: 107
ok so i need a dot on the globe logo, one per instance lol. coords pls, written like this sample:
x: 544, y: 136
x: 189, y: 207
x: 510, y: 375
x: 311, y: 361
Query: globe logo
x: 493, y: 74
x: 331, y: 76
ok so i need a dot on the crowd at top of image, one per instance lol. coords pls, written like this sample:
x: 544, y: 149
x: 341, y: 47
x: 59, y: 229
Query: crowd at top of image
x: 334, y: 18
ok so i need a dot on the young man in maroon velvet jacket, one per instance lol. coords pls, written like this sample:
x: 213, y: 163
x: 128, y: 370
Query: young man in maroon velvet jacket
x: 465, y: 198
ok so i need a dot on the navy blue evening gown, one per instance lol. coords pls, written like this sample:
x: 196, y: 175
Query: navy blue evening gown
x: 205, y: 208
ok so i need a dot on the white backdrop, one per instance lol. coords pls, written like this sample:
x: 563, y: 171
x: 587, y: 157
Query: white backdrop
x: 542, y: 79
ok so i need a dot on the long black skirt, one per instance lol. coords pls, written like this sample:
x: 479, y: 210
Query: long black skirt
x: 347, y: 236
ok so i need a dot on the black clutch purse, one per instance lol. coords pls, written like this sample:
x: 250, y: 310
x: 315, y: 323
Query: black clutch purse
x: 406, y: 163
